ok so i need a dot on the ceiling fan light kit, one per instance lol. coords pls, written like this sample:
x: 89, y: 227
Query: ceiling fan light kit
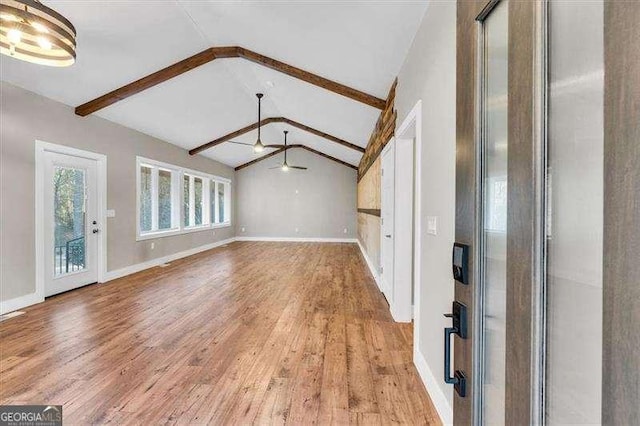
x: 33, y: 32
x: 285, y: 167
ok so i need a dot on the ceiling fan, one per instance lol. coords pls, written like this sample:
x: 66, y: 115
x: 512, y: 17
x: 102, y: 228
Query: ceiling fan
x: 285, y: 166
x: 258, y: 146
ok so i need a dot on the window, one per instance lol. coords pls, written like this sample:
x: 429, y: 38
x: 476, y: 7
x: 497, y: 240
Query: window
x: 193, y: 200
x: 145, y: 199
x: 156, y: 198
x: 172, y: 200
x: 220, y: 202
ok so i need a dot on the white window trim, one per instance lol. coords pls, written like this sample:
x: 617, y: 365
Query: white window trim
x: 177, y: 175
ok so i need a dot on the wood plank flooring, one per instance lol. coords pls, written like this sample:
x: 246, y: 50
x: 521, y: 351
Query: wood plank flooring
x: 249, y: 333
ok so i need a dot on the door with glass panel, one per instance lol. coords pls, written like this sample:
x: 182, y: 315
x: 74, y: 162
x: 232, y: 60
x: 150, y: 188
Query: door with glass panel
x: 548, y: 200
x: 70, y: 222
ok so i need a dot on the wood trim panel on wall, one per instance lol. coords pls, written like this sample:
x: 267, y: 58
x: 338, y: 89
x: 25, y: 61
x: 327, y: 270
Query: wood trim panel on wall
x: 621, y: 275
x: 382, y: 133
x: 372, y: 212
x: 369, y: 187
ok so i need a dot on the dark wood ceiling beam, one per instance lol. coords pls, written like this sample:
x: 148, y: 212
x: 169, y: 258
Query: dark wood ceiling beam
x: 264, y: 157
x: 322, y: 154
x: 271, y: 154
x: 232, y: 135
x: 311, y: 78
x: 323, y: 135
x: 266, y: 121
x: 156, y: 78
x: 209, y: 55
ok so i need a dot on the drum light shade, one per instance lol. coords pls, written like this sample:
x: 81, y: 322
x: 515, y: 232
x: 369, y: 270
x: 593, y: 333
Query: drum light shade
x: 33, y: 32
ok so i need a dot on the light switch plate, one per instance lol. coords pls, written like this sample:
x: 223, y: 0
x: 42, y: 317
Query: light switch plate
x: 111, y: 213
x: 432, y: 225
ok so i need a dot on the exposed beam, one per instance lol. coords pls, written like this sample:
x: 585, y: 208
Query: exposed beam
x: 271, y: 154
x: 311, y: 78
x: 156, y: 78
x: 232, y: 135
x: 322, y: 154
x: 209, y: 55
x: 323, y: 135
x: 264, y: 157
x: 266, y: 121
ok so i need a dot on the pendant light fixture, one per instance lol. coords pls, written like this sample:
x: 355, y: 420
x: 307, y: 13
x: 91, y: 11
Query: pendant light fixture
x: 285, y: 166
x: 258, y: 147
x: 33, y: 32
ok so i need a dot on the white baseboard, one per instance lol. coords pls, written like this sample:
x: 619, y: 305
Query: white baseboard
x: 299, y: 240
x: 132, y: 269
x: 19, y: 303
x: 372, y: 268
x: 435, y: 392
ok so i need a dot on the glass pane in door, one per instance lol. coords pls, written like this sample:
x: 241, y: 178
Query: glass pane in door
x: 575, y: 213
x: 69, y: 198
x: 494, y: 212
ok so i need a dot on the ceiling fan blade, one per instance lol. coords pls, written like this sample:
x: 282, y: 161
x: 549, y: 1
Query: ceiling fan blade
x: 241, y: 143
x: 274, y: 146
x: 298, y: 167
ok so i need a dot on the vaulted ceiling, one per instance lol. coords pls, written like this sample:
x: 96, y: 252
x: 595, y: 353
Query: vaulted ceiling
x: 358, y: 44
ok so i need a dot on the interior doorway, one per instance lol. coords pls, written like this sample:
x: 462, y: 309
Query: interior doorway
x: 70, y: 218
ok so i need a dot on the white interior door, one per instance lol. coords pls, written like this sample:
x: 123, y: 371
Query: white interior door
x: 402, y: 307
x: 70, y: 221
x: 387, y: 223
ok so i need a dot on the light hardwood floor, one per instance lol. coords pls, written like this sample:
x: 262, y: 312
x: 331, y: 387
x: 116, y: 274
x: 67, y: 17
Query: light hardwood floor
x: 253, y: 332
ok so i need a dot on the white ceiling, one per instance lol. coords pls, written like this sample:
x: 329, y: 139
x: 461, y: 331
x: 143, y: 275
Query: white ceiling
x: 360, y: 44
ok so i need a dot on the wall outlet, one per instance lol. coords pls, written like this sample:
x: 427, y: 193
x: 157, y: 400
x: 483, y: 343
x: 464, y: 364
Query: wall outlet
x: 153, y: 246
x: 297, y: 191
x: 296, y: 229
x: 111, y: 213
x: 432, y: 225
x: 242, y: 229
x: 344, y: 231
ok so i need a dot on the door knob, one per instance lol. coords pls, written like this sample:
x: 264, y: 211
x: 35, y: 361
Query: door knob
x: 388, y: 236
x: 95, y: 231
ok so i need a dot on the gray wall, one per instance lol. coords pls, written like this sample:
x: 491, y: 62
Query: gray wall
x: 429, y: 73
x: 27, y: 117
x: 324, y: 204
